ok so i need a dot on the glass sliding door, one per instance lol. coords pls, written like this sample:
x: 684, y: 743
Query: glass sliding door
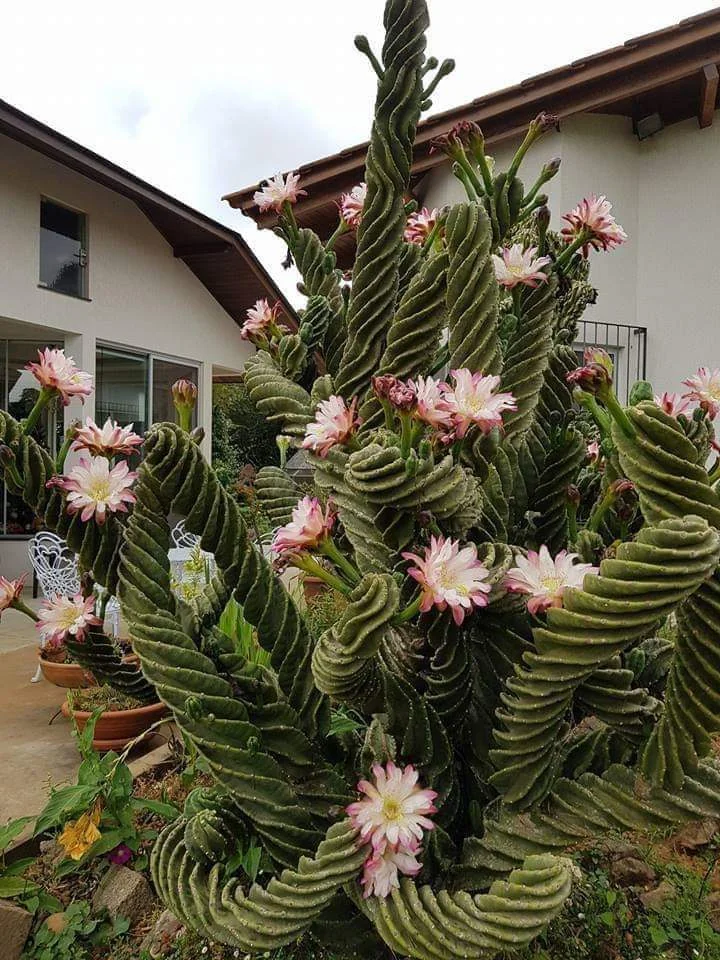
x: 121, y: 388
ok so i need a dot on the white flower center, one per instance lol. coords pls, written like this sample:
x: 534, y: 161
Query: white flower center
x: 448, y: 581
x: 67, y: 619
x: 552, y: 584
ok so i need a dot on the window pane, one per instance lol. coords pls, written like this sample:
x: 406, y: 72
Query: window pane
x: 121, y: 388
x: 165, y: 373
x: 62, y: 239
x: 19, y: 393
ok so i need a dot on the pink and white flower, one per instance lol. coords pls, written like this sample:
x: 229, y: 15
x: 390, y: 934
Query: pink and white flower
x: 420, y: 225
x: 308, y: 527
x: 517, y: 266
x: 259, y: 319
x: 55, y: 371
x: 545, y: 579
x: 351, y: 205
x: 592, y: 219
x: 395, y: 810
x: 594, y: 453
x: 334, y: 424
x: 450, y: 577
x: 382, y: 869
x: 672, y: 403
x: 473, y: 399
x: 93, y: 488
x: 705, y: 388
x: 10, y: 591
x: 107, y: 441
x: 432, y: 407
x: 278, y: 191
x: 66, y: 616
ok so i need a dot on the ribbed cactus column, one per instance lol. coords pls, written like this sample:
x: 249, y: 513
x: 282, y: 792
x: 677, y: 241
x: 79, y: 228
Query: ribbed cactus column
x: 648, y: 579
x: 472, y: 291
x: 376, y: 270
x: 663, y: 464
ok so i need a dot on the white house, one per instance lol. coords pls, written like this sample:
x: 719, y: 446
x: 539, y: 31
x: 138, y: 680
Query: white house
x: 636, y: 125
x: 139, y: 289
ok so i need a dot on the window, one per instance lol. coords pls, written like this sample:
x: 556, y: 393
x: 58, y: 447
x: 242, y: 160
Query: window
x: 63, y: 249
x: 135, y: 387
x: 18, y: 393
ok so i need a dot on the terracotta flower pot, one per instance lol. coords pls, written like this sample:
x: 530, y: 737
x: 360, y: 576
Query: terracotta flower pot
x: 64, y: 674
x: 116, y: 728
x: 313, y: 587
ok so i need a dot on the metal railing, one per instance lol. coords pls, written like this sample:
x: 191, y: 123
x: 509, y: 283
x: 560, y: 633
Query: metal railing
x: 626, y: 345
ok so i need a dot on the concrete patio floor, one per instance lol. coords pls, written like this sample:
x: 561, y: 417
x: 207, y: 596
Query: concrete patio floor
x: 34, y: 753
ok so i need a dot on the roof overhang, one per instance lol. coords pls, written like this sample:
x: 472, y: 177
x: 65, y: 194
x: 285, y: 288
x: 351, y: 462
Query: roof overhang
x: 672, y: 72
x: 218, y: 256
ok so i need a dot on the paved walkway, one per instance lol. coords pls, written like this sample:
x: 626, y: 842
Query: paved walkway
x: 34, y: 752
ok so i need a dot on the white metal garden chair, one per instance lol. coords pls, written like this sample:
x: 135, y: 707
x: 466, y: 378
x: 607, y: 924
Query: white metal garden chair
x: 183, y: 544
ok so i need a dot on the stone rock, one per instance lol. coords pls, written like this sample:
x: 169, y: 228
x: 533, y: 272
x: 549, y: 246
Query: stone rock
x: 631, y: 872
x: 160, y: 940
x: 696, y: 835
x: 712, y: 902
x: 124, y: 893
x: 15, y: 926
x: 657, y: 898
x: 618, y: 849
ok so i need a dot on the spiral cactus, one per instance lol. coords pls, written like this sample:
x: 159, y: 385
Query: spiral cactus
x: 419, y: 769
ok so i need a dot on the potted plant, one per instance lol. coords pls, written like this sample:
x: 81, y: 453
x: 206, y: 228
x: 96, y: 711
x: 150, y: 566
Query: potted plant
x: 120, y: 719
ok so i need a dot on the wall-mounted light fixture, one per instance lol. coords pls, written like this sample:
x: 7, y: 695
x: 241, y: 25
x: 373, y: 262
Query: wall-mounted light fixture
x: 648, y: 126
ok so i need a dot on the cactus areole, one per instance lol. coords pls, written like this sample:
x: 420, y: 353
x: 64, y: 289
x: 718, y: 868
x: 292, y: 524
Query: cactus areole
x: 508, y: 544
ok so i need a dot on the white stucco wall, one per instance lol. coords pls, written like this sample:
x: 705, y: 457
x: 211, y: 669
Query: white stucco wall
x: 666, y: 193
x: 139, y: 295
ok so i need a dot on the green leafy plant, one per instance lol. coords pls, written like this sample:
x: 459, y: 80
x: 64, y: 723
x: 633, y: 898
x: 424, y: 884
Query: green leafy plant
x: 104, y: 785
x: 76, y: 935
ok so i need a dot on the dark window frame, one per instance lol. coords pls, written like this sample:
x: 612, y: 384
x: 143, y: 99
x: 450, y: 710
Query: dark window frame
x: 83, y: 293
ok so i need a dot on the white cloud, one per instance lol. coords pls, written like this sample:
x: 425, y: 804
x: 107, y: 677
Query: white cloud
x: 202, y: 99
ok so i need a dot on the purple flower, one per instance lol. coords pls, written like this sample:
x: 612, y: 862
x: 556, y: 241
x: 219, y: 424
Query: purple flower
x: 121, y: 855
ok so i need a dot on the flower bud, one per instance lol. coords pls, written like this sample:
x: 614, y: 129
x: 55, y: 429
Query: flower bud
x: 382, y: 384
x: 551, y: 168
x: 402, y: 396
x: 184, y: 394
x: 543, y: 122
x: 573, y: 495
x: 543, y: 220
x: 596, y: 355
x: 592, y: 378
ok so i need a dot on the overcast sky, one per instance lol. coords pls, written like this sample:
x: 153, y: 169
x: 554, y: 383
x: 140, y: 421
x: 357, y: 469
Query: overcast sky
x: 204, y: 98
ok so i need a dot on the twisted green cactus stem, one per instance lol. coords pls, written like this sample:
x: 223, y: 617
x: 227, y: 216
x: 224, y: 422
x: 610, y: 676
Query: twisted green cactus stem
x: 276, y: 397
x: 584, y: 810
x: 278, y: 494
x: 345, y: 664
x: 262, y: 918
x: 380, y: 475
x: 527, y: 357
x: 647, y: 580
x: 417, y: 922
x: 418, y: 322
x: 387, y: 173
x: 292, y: 355
x: 472, y: 291
x: 663, y: 464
